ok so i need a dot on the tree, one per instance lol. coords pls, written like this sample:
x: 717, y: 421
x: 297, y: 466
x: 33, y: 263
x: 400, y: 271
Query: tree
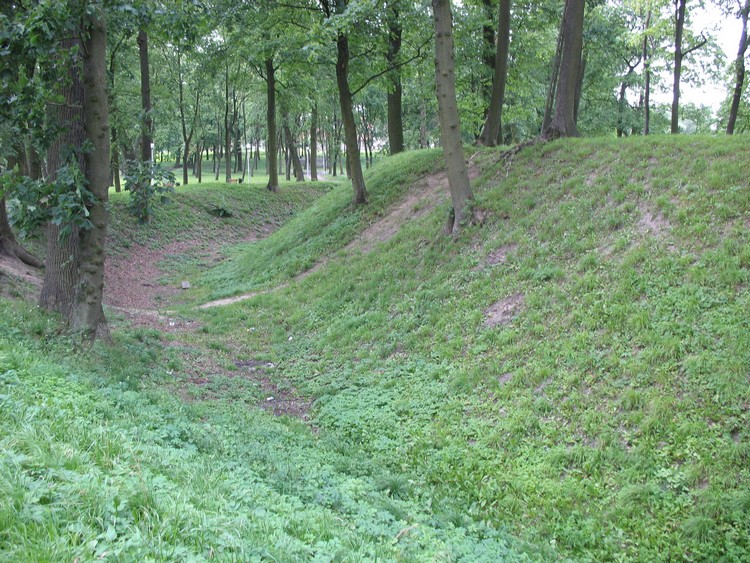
x: 739, y: 69
x: 395, y: 88
x: 492, y: 128
x: 450, y: 126
x: 563, y: 124
x: 78, y: 161
x: 679, y: 55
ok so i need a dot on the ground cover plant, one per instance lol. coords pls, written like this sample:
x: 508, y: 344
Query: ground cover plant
x: 572, y: 373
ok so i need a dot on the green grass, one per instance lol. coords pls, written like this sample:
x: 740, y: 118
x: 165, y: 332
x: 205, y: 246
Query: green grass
x: 607, y: 420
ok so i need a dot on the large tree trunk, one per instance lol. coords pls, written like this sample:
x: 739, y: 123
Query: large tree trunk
x: 491, y: 132
x: 450, y: 126
x: 739, y: 71
x: 148, y: 126
x: 61, y: 273
x: 564, y: 124
x: 271, y: 147
x: 395, y: 89
x: 347, y: 116
x: 87, y: 319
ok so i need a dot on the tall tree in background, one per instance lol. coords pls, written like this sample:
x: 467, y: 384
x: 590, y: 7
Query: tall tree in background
x: 563, y: 123
x: 679, y: 55
x: 147, y: 130
x: 395, y: 88
x: 739, y: 69
x: 492, y: 129
x: 271, y: 147
x: 450, y: 126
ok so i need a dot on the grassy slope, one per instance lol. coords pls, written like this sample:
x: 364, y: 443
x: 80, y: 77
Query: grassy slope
x: 607, y: 420
x: 610, y: 417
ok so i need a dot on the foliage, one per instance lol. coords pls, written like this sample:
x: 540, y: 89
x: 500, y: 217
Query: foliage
x: 146, y: 181
x: 64, y: 202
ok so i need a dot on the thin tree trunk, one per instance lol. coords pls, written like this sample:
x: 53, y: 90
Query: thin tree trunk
x: 563, y: 124
x: 647, y: 79
x: 739, y: 70
x: 271, y: 148
x: 227, y: 129
x: 491, y: 132
x: 549, y: 106
x: 395, y: 90
x: 148, y: 126
x: 677, y: 70
x: 88, y: 319
x: 347, y: 116
x: 450, y: 126
x: 314, y: 143
x: 299, y: 174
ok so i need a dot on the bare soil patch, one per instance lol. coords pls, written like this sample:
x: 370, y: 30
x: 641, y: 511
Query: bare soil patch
x: 652, y: 222
x: 504, y: 311
x: 281, y: 401
x: 500, y: 255
x: 421, y: 198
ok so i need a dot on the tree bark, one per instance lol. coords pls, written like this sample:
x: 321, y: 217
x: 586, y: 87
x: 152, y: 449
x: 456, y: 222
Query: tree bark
x: 395, y: 90
x: 739, y: 70
x: 299, y: 174
x: 450, y: 126
x: 647, y: 79
x: 314, y: 143
x: 227, y: 129
x: 549, y: 105
x: 61, y: 273
x: 271, y: 147
x: 87, y: 318
x: 347, y: 116
x: 677, y: 70
x: 148, y: 126
x: 491, y: 132
x: 563, y: 124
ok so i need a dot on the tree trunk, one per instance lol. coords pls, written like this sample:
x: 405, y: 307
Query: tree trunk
x: 395, y: 90
x: 227, y: 129
x: 450, y: 127
x: 677, y: 70
x: 347, y: 116
x: 491, y: 132
x: 88, y: 319
x: 563, y: 124
x: 299, y: 174
x: 9, y: 245
x: 488, y: 50
x: 739, y: 71
x: 647, y: 79
x: 549, y: 106
x: 271, y: 148
x: 61, y: 273
x: 314, y: 143
x: 148, y: 126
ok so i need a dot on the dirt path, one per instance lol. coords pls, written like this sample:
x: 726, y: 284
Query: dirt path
x: 422, y: 197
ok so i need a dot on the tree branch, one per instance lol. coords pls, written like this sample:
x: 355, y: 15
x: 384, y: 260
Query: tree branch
x: 391, y: 68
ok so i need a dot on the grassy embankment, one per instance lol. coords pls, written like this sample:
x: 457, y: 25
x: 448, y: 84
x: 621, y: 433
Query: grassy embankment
x: 603, y: 417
